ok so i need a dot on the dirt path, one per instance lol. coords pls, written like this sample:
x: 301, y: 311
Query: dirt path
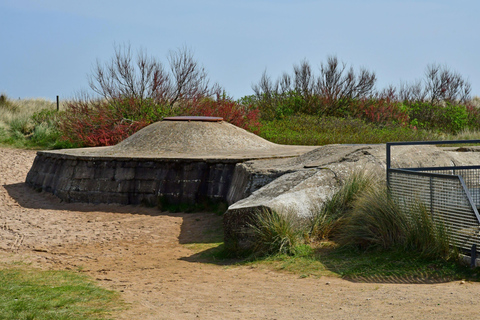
x: 138, y: 252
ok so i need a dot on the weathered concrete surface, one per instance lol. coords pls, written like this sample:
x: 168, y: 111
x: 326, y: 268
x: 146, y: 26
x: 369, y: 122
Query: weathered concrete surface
x: 173, y: 162
x: 308, y: 180
x: 191, y: 140
x: 137, y: 181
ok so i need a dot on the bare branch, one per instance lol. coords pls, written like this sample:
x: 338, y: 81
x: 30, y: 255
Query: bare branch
x: 443, y: 84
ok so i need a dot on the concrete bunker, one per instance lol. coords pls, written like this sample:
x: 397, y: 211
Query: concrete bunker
x: 179, y: 160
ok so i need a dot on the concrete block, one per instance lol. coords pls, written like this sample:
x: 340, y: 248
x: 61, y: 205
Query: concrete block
x: 124, y: 173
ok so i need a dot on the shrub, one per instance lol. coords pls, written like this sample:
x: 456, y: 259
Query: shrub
x: 242, y: 116
x: 445, y: 85
x: 314, y: 130
x: 100, y: 123
x: 473, y: 117
x: 449, y: 118
x: 379, y: 111
x: 303, y: 92
x: 144, y: 77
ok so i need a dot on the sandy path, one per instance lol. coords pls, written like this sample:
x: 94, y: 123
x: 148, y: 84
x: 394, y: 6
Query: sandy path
x: 138, y: 252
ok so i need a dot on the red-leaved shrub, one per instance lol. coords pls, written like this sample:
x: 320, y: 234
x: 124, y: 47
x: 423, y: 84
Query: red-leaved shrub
x: 96, y: 123
x: 381, y: 111
x: 231, y: 111
x: 105, y: 123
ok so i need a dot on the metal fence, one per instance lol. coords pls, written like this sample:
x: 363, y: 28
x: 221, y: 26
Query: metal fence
x: 451, y: 194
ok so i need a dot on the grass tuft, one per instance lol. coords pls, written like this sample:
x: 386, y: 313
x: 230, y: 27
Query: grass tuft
x: 378, y: 222
x: 276, y: 232
x: 330, y: 218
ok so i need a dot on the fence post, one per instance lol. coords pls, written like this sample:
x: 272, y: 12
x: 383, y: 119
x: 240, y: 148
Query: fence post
x: 388, y: 154
x: 473, y: 256
x: 58, y: 104
x: 431, y: 197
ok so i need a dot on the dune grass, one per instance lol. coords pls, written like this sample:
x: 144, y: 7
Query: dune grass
x: 30, y: 123
x: 360, y: 214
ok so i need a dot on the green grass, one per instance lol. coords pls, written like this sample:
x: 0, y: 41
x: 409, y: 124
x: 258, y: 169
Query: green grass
x: 27, y: 293
x: 370, y: 266
x: 328, y: 259
x: 314, y: 130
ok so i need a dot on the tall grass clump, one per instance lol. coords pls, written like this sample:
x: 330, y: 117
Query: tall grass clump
x: 276, y: 233
x: 331, y: 217
x: 377, y: 222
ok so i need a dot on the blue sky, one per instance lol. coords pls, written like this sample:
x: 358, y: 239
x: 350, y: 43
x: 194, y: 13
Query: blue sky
x: 48, y: 47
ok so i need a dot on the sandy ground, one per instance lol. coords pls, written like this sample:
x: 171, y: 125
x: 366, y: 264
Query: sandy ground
x: 140, y: 253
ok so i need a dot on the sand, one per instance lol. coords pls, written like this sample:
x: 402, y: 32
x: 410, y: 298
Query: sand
x: 141, y: 253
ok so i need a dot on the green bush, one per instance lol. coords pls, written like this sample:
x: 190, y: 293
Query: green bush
x: 448, y: 118
x: 314, y: 130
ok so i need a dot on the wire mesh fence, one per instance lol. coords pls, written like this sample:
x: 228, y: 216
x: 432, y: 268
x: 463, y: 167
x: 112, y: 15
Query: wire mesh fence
x: 445, y: 196
x: 452, y: 194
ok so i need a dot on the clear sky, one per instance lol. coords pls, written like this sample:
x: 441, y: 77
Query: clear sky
x: 48, y: 47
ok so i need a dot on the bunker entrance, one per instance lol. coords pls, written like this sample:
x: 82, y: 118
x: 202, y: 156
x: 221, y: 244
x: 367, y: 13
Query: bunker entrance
x: 451, y: 194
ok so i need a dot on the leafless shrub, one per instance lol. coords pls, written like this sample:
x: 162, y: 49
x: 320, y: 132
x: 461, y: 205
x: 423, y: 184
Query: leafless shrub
x: 145, y: 77
x: 190, y: 80
x: 304, y: 80
x: 336, y: 83
x: 443, y: 84
x: 265, y: 87
x: 389, y: 93
x: 321, y: 93
x: 285, y: 83
x: 410, y: 92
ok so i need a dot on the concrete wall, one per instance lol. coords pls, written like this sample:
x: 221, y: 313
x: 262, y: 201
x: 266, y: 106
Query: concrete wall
x: 131, y: 181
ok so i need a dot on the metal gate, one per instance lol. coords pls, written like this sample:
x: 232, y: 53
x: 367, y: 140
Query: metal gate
x: 452, y: 194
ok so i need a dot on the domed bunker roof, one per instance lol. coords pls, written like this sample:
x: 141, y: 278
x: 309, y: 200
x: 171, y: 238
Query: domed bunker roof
x: 192, y: 138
